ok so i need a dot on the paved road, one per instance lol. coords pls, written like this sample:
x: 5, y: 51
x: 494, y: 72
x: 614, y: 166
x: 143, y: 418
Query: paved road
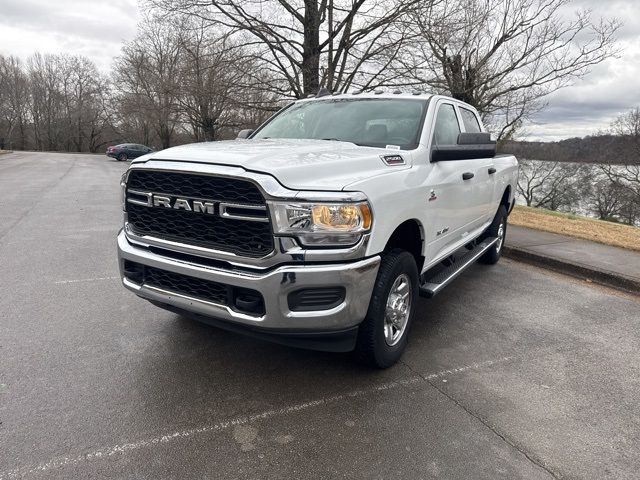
x: 512, y: 372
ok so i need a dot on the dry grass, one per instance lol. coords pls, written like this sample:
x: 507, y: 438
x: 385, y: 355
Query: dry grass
x: 599, y: 231
x: 4, y: 151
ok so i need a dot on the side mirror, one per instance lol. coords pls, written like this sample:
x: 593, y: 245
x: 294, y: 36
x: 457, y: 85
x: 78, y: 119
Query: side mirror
x: 468, y: 147
x: 242, y: 134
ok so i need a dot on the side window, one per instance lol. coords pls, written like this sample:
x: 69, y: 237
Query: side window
x: 470, y: 121
x: 447, y: 128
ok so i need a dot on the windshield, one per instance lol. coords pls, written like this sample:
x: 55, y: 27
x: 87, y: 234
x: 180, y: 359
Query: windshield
x: 385, y: 123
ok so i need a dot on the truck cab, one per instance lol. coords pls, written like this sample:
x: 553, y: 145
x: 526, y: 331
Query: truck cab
x: 322, y: 227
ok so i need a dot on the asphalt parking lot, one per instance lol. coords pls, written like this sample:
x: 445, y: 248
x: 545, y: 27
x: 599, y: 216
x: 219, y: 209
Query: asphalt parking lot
x: 512, y: 372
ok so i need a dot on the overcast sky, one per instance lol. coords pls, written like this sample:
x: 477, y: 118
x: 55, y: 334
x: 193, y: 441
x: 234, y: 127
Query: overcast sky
x: 97, y: 28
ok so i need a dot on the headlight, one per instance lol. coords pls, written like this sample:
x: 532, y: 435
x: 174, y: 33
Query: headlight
x: 323, y: 223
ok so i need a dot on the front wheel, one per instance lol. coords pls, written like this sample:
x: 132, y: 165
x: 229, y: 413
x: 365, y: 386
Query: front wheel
x: 382, y: 336
x: 498, y: 228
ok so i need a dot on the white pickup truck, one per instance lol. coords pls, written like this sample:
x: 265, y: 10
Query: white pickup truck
x: 322, y: 227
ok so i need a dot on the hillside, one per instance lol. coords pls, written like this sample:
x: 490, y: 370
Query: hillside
x: 591, y: 149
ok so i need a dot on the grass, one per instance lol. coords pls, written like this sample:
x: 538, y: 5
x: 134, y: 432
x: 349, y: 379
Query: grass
x: 600, y: 231
x: 4, y: 151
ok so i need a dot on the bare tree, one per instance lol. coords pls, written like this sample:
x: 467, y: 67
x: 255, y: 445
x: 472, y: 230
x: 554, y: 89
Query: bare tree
x: 212, y: 81
x: 102, y: 116
x: 147, y: 78
x: 550, y: 185
x: 629, y: 210
x: 605, y: 198
x: 66, y: 103
x: 627, y: 177
x: 505, y: 56
x: 46, y: 100
x: 14, y: 101
x: 533, y: 175
x: 82, y: 88
x: 627, y: 126
x: 308, y: 44
x: 608, y: 200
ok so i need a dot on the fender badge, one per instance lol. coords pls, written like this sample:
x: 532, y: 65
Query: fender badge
x: 392, y: 160
x: 432, y: 196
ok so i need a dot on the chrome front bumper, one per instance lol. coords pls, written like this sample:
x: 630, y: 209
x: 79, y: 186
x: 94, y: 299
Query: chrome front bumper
x: 358, y: 278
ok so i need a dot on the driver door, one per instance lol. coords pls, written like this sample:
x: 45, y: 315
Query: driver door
x: 451, y: 211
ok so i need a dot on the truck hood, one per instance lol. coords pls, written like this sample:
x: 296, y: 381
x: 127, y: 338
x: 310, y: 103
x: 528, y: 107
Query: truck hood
x: 296, y: 164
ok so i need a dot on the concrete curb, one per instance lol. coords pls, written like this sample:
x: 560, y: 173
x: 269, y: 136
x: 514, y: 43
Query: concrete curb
x: 583, y: 272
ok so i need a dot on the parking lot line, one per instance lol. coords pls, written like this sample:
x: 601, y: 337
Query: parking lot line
x: 110, y: 451
x: 82, y: 280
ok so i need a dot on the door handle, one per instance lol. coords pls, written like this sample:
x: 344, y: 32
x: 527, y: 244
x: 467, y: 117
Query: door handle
x: 467, y: 175
x: 492, y: 170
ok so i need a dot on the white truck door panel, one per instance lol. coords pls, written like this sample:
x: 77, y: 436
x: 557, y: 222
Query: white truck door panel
x: 484, y: 188
x: 448, y: 207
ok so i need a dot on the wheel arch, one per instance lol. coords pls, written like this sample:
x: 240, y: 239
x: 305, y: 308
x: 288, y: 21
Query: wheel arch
x: 506, y: 195
x: 410, y: 236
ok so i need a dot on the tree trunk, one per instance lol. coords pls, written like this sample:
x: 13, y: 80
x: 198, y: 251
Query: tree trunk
x: 311, y: 49
x: 165, y: 135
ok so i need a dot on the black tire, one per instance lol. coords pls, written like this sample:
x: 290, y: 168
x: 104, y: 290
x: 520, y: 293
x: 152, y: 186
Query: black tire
x: 122, y: 157
x: 498, y: 228
x: 372, y: 347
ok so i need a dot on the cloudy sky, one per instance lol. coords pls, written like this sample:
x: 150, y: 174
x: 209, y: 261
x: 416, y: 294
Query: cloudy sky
x: 97, y: 28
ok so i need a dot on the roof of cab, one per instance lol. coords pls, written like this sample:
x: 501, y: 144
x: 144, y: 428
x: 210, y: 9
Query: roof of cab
x: 378, y: 94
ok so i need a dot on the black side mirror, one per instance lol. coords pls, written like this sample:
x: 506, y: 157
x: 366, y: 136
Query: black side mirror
x: 242, y: 134
x: 468, y: 147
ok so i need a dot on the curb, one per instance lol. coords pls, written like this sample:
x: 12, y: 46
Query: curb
x: 583, y: 272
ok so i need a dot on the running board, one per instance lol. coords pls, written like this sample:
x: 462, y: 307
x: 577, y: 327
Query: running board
x: 432, y: 285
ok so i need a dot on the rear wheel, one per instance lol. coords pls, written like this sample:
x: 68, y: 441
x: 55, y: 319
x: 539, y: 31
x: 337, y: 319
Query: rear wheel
x: 382, y: 336
x: 498, y: 228
x: 122, y: 157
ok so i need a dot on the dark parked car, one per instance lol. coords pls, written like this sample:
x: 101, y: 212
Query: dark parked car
x: 126, y: 151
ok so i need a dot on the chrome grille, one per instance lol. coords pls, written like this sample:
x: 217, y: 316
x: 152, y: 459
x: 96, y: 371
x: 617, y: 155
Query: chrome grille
x: 242, y: 236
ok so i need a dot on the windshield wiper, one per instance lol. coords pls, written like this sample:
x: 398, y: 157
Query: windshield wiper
x: 332, y: 139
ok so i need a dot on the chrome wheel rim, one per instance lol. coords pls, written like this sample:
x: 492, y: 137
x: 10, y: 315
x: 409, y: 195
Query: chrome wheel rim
x: 500, y: 237
x: 398, y: 309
